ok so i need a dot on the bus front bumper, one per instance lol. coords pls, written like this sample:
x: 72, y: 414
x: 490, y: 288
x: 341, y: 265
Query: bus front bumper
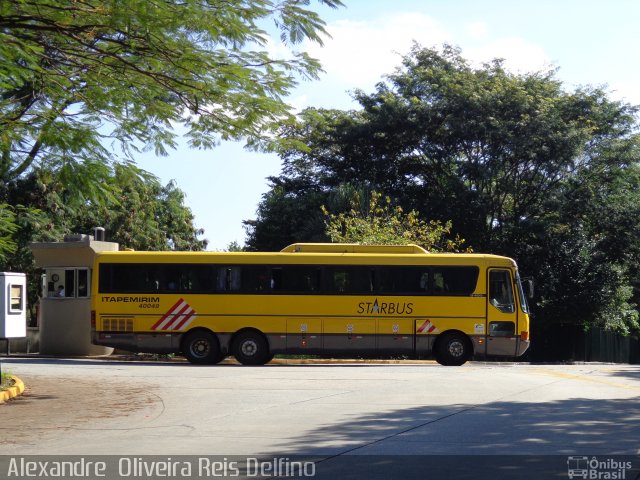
x: 522, y: 347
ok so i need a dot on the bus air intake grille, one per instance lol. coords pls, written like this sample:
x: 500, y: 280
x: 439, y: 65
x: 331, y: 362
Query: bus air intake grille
x: 117, y: 325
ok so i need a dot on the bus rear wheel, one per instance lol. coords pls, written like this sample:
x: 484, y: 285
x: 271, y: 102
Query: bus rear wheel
x: 251, y: 348
x: 453, y: 349
x: 201, y: 348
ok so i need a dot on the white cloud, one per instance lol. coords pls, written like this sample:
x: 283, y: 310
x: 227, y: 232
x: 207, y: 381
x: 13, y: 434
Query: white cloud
x: 626, y: 91
x: 298, y: 103
x: 360, y: 52
x: 477, y: 30
x: 519, y: 55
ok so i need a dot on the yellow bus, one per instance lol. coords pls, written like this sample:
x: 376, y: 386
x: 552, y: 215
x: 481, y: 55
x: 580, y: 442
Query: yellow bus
x: 339, y: 300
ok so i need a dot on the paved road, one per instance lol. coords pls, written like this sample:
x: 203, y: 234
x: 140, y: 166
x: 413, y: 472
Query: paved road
x: 85, y: 407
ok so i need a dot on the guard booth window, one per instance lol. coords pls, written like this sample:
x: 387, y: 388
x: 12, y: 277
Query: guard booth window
x: 67, y: 283
x: 16, y: 304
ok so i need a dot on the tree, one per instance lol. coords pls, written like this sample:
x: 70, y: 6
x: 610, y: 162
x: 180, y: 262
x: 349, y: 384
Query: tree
x: 75, y: 76
x: 586, y: 244
x: 481, y: 147
x: 137, y: 212
x: 383, y: 224
x: 7, y: 229
x: 234, y: 247
x: 519, y: 165
x: 78, y: 79
x: 284, y: 218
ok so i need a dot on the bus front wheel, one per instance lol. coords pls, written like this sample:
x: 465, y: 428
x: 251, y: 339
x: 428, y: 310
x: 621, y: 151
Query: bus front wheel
x: 251, y: 348
x: 453, y: 349
x: 201, y: 347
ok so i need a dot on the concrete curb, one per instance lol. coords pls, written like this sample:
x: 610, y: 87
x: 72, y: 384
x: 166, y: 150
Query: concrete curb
x: 12, y: 392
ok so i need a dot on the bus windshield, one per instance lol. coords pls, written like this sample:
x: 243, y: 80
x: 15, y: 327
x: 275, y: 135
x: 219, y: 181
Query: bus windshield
x: 523, y: 298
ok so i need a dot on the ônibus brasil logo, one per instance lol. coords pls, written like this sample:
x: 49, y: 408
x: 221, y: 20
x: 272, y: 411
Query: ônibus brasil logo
x: 178, y: 317
x: 594, y: 468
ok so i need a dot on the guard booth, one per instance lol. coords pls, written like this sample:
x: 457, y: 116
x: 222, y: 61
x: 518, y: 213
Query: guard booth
x: 13, y: 301
x: 65, y: 303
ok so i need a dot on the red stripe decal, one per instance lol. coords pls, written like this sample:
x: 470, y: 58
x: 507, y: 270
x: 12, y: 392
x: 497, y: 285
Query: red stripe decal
x: 184, y: 320
x: 166, y: 315
x: 176, y: 314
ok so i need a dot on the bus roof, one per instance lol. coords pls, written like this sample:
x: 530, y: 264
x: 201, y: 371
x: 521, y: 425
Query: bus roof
x: 353, y: 248
x: 341, y: 254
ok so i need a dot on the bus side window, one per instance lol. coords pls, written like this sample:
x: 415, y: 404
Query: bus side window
x: 295, y: 279
x: 424, y: 282
x: 276, y: 279
x: 233, y: 279
x: 227, y: 279
x: 171, y: 279
x: 349, y: 280
x: 221, y: 276
x: 340, y: 281
x: 311, y: 280
x: 200, y: 278
x: 439, y: 283
x: 501, y: 291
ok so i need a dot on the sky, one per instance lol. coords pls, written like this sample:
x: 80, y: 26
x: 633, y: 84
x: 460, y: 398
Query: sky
x: 590, y: 42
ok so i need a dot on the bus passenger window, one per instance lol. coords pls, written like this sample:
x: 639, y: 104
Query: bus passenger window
x: 255, y: 279
x: 424, y: 282
x: 296, y: 279
x: 276, y: 279
x: 227, y: 279
x: 311, y: 281
x: 439, y: 284
x: 172, y: 278
x: 340, y: 281
x: 501, y: 291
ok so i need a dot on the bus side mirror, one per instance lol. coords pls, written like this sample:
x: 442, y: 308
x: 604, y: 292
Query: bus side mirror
x: 527, y: 286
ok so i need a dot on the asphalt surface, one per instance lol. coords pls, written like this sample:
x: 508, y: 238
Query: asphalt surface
x: 82, y: 407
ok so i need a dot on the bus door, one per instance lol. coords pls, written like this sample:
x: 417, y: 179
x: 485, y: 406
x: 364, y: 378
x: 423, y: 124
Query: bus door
x: 502, y: 315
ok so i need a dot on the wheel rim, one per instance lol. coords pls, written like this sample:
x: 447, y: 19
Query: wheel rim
x: 248, y: 348
x: 456, y: 348
x: 200, y: 348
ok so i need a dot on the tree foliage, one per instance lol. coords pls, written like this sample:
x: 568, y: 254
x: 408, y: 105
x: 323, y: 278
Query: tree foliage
x: 82, y: 80
x: 7, y: 229
x: 76, y: 75
x: 383, y: 224
x: 136, y: 210
x: 584, y: 247
x: 284, y: 218
x: 517, y: 163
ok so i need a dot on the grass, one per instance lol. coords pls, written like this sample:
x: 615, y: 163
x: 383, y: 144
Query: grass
x: 5, y: 381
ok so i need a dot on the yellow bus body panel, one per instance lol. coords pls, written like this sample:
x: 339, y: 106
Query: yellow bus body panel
x: 302, y: 319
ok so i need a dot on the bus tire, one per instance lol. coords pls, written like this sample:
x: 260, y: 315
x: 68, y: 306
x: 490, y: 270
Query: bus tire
x: 201, y: 347
x: 453, y: 349
x: 251, y: 348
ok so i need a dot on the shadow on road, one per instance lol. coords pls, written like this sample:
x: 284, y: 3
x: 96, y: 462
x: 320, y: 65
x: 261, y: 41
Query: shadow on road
x: 566, y: 427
